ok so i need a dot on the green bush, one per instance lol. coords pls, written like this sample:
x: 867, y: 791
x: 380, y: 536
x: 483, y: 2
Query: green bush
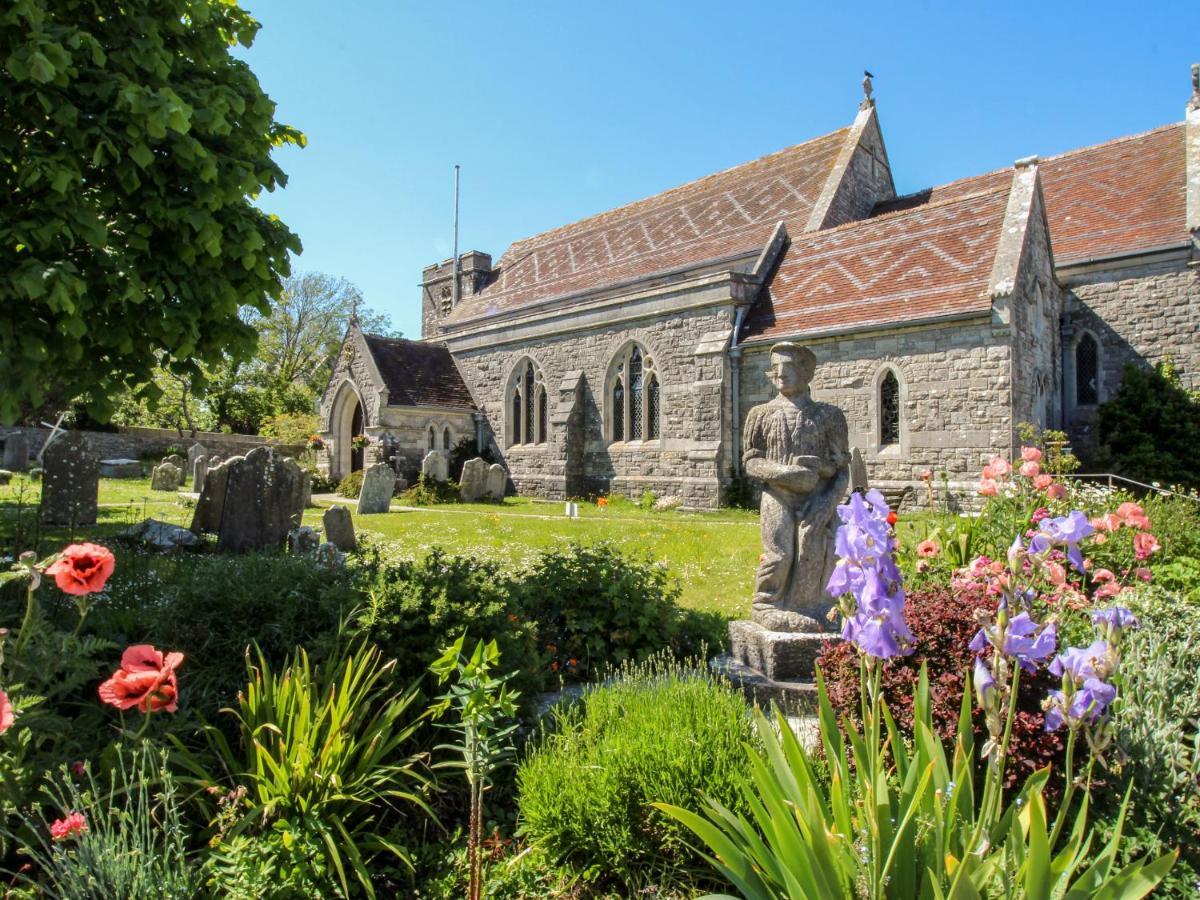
x: 350, y: 485
x: 426, y: 492
x: 134, y: 844
x: 1150, y: 430
x: 659, y: 730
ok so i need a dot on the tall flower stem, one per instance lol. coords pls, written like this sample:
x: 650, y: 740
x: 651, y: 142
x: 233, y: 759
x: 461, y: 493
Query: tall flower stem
x: 1068, y: 792
x: 30, y: 615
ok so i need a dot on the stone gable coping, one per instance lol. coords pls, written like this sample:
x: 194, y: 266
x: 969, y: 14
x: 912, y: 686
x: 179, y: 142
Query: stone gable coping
x: 1024, y: 201
x: 1192, y: 144
x: 864, y: 130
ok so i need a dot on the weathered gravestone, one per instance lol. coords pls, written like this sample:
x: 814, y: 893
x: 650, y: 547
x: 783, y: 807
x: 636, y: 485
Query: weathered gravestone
x: 435, y: 466
x: 339, y: 527
x: 166, y: 477
x: 304, y: 540
x: 858, y: 473
x: 497, y: 478
x: 252, y: 502
x: 195, y: 451
x: 177, y: 460
x: 473, y: 485
x: 70, y: 481
x: 379, y: 481
x: 16, y: 452
x: 199, y: 472
x: 120, y: 467
x: 5, y: 477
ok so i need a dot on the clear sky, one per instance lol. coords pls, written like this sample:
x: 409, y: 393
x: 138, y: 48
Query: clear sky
x: 556, y: 111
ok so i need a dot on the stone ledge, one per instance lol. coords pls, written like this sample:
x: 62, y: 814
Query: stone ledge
x: 781, y: 656
x: 794, y: 698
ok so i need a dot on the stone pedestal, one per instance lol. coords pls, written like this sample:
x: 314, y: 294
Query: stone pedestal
x: 773, y: 666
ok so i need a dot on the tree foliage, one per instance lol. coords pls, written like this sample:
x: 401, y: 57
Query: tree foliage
x: 132, y: 145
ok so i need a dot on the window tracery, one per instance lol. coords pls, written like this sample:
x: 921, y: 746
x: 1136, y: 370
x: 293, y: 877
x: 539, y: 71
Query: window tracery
x: 527, y: 419
x: 634, y: 394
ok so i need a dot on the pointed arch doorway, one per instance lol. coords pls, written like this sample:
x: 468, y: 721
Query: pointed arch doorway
x: 347, y: 421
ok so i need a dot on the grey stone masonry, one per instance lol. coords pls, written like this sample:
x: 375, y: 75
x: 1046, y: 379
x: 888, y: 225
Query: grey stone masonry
x: 474, y: 482
x: 70, y: 481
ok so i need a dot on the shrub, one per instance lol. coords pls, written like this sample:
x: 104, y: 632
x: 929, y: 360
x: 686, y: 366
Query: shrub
x: 427, y: 493
x: 1150, y: 429
x: 465, y: 450
x: 350, y: 485
x: 324, y: 752
x: 596, y: 607
x: 291, y: 427
x: 130, y: 841
x: 943, y: 623
x: 647, y: 501
x: 658, y: 731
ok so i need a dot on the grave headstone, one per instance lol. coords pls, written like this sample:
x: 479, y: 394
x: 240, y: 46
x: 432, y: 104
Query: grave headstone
x: 251, y: 501
x: 339, y: 527
x: 177, y: 460
x: 161, y: 535
x: 16, y: 452
x: 166, y: 477
x: 120, y: 468
x: 70, y: 481
x: 304, y: 540
x: 435, y: 466
x: 379, y: 481
x: 306, y: 489
x: 329, y: 555
x: 858, y: 472
x: 474, y: 480
x: 497, y: 478
x: 5, y: 476
x: 199, y: 472
x: 195, y: 451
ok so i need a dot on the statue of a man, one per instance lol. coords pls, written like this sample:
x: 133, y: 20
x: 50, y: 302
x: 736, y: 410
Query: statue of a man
x: 799, y: 449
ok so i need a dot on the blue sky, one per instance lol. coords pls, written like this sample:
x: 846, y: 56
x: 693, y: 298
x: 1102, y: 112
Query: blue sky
x: 556, y: 111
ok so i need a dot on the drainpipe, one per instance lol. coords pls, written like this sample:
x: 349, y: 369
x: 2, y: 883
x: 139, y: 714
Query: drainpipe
x: 478, y: 417
x: 735, y: 365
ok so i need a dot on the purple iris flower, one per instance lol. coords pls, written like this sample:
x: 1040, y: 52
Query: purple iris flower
x: 1024, y: 639
x: 1088, y: 704
x: 1081, y: 663
x: 1066, y: 531
x: 1119, y: 618
x: 985, y: 681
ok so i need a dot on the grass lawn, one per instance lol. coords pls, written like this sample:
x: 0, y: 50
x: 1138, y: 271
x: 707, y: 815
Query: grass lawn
x: 714, y: 555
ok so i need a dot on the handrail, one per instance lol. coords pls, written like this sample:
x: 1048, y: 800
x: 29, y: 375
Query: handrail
x: 1111, y: 477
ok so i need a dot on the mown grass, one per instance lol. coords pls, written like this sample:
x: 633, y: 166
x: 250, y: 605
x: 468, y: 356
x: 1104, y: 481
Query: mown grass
x: 714, y: 555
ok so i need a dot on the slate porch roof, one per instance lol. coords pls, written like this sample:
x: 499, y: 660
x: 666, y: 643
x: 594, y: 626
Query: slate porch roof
x: 418, y: 374
x: 918, y: 262
x: 1122, y: 196
x: 722, y: 215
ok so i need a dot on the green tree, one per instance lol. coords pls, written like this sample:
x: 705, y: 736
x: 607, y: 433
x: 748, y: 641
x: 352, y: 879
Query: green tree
x: 132, y: 146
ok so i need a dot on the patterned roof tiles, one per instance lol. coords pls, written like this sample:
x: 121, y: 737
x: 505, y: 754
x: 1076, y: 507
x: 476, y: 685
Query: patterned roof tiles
x: 418, y: 374
x: 915, y: 263
x: 722, y: 215
x: 1122, y: 196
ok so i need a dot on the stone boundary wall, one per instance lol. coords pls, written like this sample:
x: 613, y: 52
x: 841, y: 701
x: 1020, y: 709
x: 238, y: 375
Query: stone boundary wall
x: 133, y: 443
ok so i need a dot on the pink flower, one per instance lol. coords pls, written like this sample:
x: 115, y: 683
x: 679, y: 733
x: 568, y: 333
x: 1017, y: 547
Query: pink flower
x: 1102, y: 575
x: 1134, y: 516
x: 82, y: 568
x: 1100, y: 538
x: 1145, y: 544
x: 1000, y: 466
x: 7, y: 717
x: 1108, y: 589
x: 78, y: 769
x: 928, y: 547
x: 926, y: 475
x: 1038, y: 514
x: 1142, y: 573
x: 146, y: 680
x: 1031, y: 454
x: 1043, y: 481
x: 988, y: 488
x: 1055, y: 572
x: 1030, y: 469
x: 1056, y: 492
x: 1106, y: 522
x: 74, y: 824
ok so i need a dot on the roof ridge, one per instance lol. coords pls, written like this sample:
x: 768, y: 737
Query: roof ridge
x: 1110, y: 141
x: 679, y: 187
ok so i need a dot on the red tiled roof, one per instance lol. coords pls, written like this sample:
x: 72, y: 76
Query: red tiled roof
x: 925, y: 261
x: 728, y: 213
x: 1118, y: 197
x: 418, y: 374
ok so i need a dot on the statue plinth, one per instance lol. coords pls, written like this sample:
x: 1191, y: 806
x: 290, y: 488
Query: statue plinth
x: 779, y: 655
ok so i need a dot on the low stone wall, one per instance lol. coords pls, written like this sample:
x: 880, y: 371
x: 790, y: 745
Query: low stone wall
x: 133, y: 443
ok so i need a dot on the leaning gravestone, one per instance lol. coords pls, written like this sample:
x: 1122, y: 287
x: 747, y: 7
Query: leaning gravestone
x: 195, y: 451
x: 497, y: 478
x: 379, y: 481
x: 199, y: 472
x: 473, y: 485
x: 339, y: 527
x: 251, y: 501
x: 70, y: 481
x: 166, y: 477
x: 435, y: 466
x: 16, y: 452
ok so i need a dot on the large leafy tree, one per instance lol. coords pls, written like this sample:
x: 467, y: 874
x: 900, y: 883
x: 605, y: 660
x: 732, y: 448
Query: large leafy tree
x: 132, y: 144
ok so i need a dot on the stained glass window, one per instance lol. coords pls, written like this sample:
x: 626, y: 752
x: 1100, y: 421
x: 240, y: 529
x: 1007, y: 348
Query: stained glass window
x: 1087, y: 371
x: 652, y: 408
x: 635, y: 395
x: 618, y: 405
x: 515, y: 425
x: 446, y: 439
x: 889, y: 410
x: 541, y: 429
x: 431, y: 438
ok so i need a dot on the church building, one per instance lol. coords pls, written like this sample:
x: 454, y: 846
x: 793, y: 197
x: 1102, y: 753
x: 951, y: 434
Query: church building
x: 621, y: 353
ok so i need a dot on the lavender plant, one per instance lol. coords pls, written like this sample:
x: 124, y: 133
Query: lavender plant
x: 907, y: 821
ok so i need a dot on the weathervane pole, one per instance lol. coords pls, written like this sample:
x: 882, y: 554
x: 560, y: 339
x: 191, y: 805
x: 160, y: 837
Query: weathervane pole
x: 457, y: 279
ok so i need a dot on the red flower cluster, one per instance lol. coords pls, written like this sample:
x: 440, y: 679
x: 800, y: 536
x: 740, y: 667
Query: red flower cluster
x: 82, y: 569
x: 74, y: 824
x: 146, y: 680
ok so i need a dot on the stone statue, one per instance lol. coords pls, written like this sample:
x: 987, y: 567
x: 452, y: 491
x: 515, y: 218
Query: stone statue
x: 799, y: 449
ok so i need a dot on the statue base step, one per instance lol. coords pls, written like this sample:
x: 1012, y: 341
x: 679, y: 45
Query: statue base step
x: 779, y: 655
x: 794, y: 698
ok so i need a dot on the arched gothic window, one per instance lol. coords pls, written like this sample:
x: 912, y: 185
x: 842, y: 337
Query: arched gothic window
x: 527, y: 422
x: 1087, y: 371
x: 634, y: 394
x: 432, y: 439
x: 446, y: 439
x: 889, y: 410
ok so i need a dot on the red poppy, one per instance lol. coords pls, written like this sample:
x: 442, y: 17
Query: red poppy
x: 6, y: 713
x: 892, y: 518
x: 146, y: 680
x: 82, y: 568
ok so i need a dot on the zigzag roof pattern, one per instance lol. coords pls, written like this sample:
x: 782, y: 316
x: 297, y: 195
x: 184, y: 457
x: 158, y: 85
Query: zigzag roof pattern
x: 1123, y: 196
x: 919, y: 262
x: 721, y: 215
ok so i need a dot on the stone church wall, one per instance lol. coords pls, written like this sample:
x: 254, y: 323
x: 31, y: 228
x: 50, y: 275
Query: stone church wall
x: 685, y: 462
x: 954, y: 396
x: 1138, y: 314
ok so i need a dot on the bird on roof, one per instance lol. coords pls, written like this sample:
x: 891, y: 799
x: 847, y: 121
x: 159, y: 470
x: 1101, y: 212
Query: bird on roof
x: 867, y: 76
